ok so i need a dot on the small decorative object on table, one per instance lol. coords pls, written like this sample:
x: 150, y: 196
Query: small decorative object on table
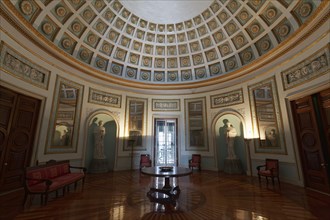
x: 166, y: 169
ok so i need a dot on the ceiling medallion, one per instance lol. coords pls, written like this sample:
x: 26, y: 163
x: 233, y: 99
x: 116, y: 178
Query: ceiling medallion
x: 98, y: 4
x: 76, y: 27
x: 130, y: 73
x: 26, y: 7
x: 247, y: 56
x: 108, y: 15
x: 271, y: 13
x: 66, y: 43
x: 61, y: 11
x: 231, y: 64
x: 284, y: 30
x: 255, y: 28
x: 91, y: 39
x: 115, y: 69
x: 100, y: 63
x: 145, y: 76
x: 186, y: 75
x: 106, y: 48
x: 146, y: 61
x: 172, y: 76
x: 87, y: 14
x: 200, y: 73
x: 159, y: 76
x: 76, y: 2
x: 244, y: 15
x: 84, y: 54
x: 305, y: 10
x: 47, y: 28
x: 100, y: 26
x: 240, y: 40
x: 265, y: 44
x: 120, y: 54
x: 214, y: 69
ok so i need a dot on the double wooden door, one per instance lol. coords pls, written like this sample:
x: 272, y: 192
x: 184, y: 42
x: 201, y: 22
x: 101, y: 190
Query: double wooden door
x: 312, y: 122
x: 18, y: 120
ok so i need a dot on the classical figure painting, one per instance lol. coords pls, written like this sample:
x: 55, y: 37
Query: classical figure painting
x: 266, y: 118
x: 64, y: 122
x: 195, y: 116
x: 135, y: 123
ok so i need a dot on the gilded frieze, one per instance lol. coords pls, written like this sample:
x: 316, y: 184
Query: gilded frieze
x: 19, y: 66
x: 104, y: 98
x: 227, y: 99
x: 314, y: 66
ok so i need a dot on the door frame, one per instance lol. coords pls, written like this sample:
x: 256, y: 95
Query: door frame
x: 288, y: 99
x: 165, y: 117
x: 37, y: 136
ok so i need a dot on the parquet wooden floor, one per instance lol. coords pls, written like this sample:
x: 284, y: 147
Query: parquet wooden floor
x: 204, y: 195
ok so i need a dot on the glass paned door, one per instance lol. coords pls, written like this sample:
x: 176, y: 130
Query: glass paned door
x: 165, y: 142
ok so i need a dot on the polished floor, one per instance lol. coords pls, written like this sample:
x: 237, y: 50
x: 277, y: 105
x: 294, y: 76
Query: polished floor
x: 204, y: 195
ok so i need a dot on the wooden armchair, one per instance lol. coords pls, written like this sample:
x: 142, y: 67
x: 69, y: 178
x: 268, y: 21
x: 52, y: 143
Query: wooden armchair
x: 145, y: 161
x: 195, y: 161
x: 269, y: 169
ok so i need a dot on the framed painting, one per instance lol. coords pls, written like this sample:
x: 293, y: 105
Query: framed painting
x: 135, y: 124
x: 63, y: 129
x: 196, y: 129
x: 266, y: 118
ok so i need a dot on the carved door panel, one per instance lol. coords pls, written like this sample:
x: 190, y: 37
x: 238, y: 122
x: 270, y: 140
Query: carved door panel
x: 324, y: 100
x: 310, y: 144
x: 18, y: 119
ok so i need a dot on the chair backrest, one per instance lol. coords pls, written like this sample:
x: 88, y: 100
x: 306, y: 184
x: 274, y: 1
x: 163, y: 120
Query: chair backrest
x: 145, y: 158
x: 196, y: 158
x: 272, y: 164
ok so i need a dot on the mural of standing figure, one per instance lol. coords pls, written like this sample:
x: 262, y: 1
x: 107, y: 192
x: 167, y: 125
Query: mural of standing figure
x: 99, y: 133
x: 230, y: 134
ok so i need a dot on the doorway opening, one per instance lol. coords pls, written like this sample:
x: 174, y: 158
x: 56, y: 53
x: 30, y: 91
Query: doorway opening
x: 166, y: 150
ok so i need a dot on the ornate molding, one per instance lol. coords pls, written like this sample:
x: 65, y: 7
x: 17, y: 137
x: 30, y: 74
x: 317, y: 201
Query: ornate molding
x: 165, y: 104
x: 314, y: 66
x: 19, y: 66
x: 226, y: 99
x: 104, y: 98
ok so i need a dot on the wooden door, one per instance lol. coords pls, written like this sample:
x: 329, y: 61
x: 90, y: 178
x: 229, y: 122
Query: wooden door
x: 18, y: 120
x: 310, y: 144
x: 324, y: 100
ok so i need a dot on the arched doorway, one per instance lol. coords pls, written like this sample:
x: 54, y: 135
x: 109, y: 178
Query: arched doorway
x: 239, y: 148
x: 109, y: 140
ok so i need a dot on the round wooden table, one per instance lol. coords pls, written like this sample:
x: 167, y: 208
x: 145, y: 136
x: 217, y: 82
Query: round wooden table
x: 172, y: 194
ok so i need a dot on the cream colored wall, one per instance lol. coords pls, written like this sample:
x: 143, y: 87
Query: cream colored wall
x: 290, y: 164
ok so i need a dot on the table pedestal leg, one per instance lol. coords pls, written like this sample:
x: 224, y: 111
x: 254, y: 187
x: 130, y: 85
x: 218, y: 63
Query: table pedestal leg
x: 167, y: 185
x: 171, y: 194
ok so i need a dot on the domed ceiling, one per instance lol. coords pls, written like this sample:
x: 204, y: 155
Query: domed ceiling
x: 165, y: 42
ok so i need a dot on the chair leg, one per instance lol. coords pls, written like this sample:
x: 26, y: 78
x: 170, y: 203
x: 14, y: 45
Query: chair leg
x: 46, y: 198
x: 267, y: 180
x: 273, y: 180
x: 259, y: 179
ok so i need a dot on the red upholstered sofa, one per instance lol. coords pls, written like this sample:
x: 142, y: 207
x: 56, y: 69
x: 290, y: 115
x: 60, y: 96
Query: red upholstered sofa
x: 51, y: 177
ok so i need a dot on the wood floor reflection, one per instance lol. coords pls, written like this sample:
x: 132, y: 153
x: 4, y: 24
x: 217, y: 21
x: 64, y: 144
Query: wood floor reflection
x: 204, y: 195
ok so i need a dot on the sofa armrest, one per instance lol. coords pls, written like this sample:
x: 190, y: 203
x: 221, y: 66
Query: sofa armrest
x: 48, y: 182
x: 84, y: 169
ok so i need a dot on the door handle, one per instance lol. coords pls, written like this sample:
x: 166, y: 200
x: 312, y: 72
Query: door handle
x: 324, y: 165
x: 6, y: 164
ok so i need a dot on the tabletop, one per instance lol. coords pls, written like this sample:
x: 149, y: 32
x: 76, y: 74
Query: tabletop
x: 158, y: 172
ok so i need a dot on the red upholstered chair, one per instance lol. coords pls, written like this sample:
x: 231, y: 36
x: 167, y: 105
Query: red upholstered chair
x: 195, y: 161
x: 145, y: 161
x: 269, y: 169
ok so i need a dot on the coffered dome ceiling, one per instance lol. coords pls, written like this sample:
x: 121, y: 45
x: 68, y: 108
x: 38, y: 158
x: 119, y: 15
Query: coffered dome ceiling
x: 165, y: 42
